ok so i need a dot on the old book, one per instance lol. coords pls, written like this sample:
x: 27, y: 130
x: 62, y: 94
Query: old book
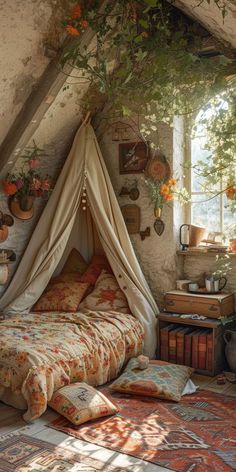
x: 209, y: 351
x: 188, y: 347
x: 173, y: 344
x: 180, y: 344
x: 164, y: 341
x: 202, y: 348
x: 195, y: 347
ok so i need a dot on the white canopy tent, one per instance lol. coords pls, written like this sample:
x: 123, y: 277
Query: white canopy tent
x: 63, y: 222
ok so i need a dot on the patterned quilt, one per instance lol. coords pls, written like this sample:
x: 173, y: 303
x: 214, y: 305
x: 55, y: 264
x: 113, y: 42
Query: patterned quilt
x: 39, y: 353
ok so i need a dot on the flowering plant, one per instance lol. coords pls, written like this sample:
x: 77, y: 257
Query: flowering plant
x: 28, y: 182
x: 161, y: 191
x: 76, y: 24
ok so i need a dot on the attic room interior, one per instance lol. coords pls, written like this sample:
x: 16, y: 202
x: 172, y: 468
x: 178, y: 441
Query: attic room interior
x: 118, y: 235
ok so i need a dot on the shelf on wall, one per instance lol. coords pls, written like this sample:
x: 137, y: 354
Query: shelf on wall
x: 201, y: 252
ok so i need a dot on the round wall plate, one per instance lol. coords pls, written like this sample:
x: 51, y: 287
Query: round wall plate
x: 158, y: 168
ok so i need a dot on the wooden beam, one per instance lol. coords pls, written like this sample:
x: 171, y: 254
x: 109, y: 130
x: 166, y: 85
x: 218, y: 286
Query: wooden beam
x: 37, y: 104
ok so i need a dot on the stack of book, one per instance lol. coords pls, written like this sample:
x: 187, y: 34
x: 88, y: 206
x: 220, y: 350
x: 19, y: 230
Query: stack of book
x: 187, y: 345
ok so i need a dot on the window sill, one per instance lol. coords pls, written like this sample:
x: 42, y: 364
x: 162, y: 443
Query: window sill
x: 204, y: 252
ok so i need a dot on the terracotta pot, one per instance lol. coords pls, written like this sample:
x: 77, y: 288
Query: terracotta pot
x: 230, y: 348
x: 233, y: 244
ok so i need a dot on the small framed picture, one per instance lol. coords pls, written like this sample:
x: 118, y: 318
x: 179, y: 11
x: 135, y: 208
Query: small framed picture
x: 133, y: 157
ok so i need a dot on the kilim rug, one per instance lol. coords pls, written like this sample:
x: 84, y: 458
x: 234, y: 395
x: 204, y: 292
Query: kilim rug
x: 196, y: 435
x: 19, y: 452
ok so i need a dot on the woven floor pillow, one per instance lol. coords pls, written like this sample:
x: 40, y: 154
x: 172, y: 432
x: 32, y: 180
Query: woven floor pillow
x: 160, y: 379
x: 79, y: 402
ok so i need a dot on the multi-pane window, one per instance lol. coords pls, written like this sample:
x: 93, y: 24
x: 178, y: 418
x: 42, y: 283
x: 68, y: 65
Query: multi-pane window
x: 206, y: 209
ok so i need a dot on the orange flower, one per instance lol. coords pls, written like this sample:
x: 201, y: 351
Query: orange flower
x: 9, y: 187
x: 171, y: 182
x: 230, y: 193
x: 164, y: 190
x: 76, y: 12
x: 168, y: 197
x: 144, y: 34
x: 72, y: 31
x: 84, y: 24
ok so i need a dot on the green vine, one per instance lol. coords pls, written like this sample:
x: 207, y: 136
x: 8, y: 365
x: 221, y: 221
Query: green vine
x: 147, y: 62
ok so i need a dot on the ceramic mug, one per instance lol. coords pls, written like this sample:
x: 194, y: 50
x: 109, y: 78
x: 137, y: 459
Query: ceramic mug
x: 193, y: 287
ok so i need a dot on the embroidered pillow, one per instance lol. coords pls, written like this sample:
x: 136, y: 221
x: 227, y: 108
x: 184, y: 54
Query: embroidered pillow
x: 80, y: 402
x: 106, y: 296
x: 160, y: 380
x: 74, y: 263
x: 62, y: 296
x: 97, y: 264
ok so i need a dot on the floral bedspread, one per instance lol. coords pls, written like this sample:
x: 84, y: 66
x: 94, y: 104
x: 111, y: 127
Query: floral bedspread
x: 39, y: 353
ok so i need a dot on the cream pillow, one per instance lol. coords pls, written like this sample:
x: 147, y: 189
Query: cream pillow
x: 79, y: 402
x: 106, y: 296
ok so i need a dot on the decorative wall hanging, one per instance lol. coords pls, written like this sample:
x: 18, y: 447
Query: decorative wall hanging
x: 4, y: 274
x: 26, y: 185
x: 132, y: 192
x: 160, y: 186
x: 122, y: 131
x: 5, y: 221
x: 133, y: 157
x: 131, y: 215
x: 6, y: 256
x: 144, y: 234
x: 158, y: 168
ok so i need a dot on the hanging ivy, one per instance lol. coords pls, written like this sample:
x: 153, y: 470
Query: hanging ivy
x: 146, y: 61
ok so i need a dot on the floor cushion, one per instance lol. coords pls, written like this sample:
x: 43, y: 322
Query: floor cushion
x: 160, y: 379
x: 79, y: 402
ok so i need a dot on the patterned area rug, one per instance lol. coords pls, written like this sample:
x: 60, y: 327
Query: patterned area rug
x: 22, y: 453
x: 196, y: 435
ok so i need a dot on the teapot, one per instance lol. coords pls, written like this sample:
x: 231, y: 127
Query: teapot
x: 212, y: 283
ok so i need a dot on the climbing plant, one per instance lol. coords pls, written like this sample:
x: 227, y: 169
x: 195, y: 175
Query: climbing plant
x: 147, y: 61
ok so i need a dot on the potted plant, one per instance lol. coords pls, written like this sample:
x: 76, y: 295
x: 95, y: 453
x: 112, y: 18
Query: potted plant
x: 26, y: 185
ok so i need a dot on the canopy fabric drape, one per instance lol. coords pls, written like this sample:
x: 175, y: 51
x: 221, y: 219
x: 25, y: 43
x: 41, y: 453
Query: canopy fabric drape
x: 60, y: 219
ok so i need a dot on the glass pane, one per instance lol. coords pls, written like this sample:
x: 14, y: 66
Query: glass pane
x: 197, y: 154
x: 229, y: 220
x: 206, y: 213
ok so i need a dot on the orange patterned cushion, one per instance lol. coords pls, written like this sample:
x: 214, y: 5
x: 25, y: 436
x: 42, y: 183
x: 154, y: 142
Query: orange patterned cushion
x: 106, y: 296
x: 97, y: 264
x: 75, y: 263
x: 62, y: 295
x: 79, y: 402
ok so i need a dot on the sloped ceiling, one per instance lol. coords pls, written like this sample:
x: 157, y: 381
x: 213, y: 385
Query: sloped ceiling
x: 211, y: 18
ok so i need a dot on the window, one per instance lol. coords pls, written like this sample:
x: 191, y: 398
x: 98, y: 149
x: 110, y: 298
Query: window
x: 206, y: 209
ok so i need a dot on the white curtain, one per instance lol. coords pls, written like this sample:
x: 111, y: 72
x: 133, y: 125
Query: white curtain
x: 84, y: 165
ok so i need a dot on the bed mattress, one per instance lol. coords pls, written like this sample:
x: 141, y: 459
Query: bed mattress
x: 41, y: 352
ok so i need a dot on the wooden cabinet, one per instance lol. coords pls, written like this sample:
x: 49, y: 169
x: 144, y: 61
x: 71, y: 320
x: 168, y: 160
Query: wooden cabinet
x: 215, y: 329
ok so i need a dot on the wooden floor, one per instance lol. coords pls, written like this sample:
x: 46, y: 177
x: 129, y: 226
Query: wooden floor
x: 11, y: 421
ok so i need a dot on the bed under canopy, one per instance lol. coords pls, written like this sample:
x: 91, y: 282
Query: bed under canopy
x: 64, y: 224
